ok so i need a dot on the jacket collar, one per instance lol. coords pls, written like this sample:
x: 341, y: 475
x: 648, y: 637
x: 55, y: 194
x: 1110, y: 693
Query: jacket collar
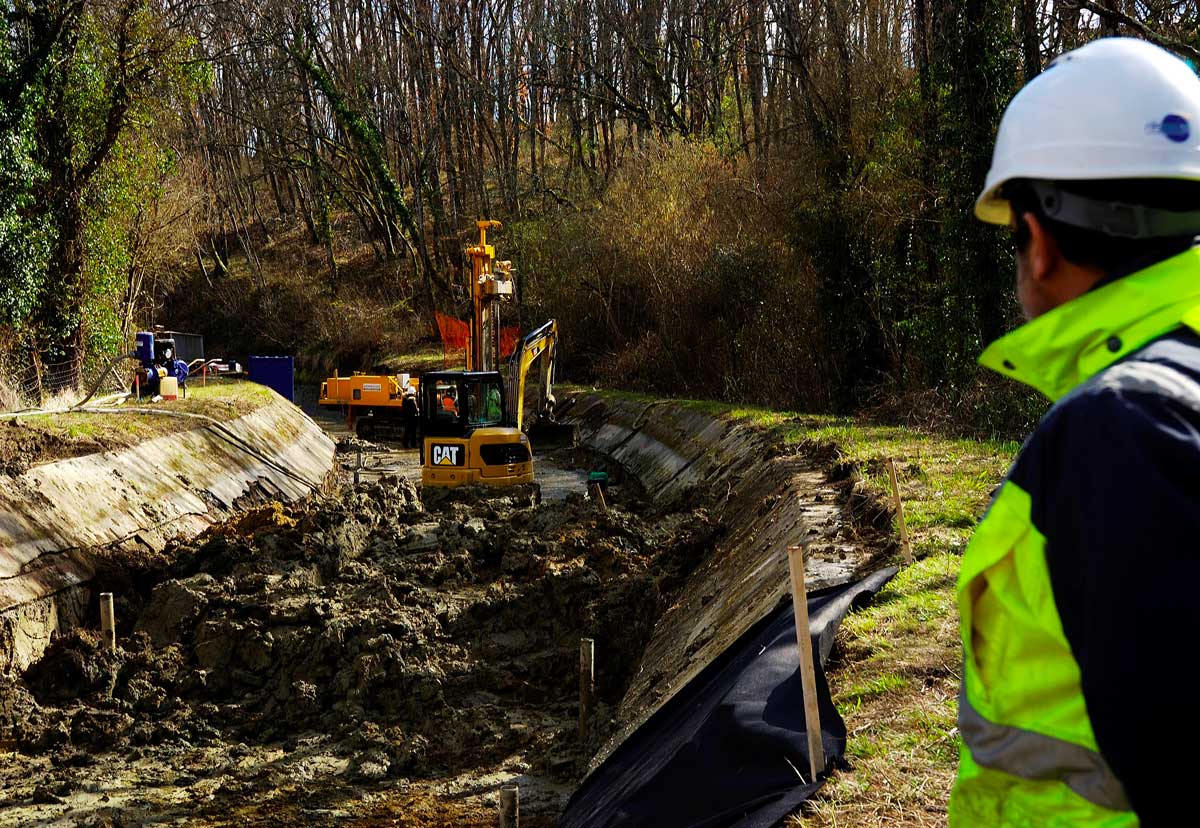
x: 1064, y: 347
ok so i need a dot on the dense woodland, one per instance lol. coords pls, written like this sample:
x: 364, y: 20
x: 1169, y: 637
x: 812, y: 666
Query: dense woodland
x: 763, y: 200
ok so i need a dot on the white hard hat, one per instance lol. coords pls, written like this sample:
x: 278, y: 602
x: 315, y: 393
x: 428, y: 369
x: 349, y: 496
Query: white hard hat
x: 1115, y: 108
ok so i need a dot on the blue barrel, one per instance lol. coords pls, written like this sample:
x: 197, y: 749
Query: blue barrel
x: 276, y: 372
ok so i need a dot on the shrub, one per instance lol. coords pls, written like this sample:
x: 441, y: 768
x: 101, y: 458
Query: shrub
x: 678, y: 281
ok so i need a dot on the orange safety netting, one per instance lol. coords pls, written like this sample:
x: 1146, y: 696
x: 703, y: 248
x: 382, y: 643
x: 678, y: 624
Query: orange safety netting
x: 508, y: 341
x: 456, y: 335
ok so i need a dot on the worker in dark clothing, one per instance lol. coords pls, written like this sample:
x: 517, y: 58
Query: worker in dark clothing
x: 409, y: 412
x: 1073, y: 670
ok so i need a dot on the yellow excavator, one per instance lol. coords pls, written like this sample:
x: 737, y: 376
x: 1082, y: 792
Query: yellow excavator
x: 472, y: 421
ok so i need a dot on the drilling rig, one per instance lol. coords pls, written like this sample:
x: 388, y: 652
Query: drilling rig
x: 472, y: 421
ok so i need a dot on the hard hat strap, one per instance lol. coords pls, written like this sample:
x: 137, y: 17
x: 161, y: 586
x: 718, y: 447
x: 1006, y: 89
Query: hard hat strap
x: 1114, y: 218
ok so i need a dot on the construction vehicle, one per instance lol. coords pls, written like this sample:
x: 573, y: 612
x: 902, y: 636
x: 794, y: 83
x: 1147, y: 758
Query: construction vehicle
x: 472, y: 421
x: 371, y: 403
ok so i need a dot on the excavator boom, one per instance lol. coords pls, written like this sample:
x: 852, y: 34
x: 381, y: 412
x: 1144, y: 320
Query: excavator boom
x: 539, y: 347
x: 543, y: 343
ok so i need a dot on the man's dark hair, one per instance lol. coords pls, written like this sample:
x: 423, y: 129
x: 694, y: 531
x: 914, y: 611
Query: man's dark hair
x: 1094, y: 248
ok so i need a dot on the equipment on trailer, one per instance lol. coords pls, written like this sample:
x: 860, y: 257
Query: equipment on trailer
x: 373, y: 404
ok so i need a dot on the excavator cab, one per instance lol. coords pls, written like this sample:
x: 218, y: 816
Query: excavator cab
x: 466, y: 433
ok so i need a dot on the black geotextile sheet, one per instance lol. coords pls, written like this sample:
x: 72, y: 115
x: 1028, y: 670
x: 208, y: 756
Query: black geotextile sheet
x: 728, y: 750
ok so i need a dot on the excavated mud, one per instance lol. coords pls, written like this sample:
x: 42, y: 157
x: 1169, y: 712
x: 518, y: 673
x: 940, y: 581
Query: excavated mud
x: 363, y: 658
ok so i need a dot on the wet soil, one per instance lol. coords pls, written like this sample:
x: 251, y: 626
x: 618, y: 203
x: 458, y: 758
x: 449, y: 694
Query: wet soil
x: 362, y: 658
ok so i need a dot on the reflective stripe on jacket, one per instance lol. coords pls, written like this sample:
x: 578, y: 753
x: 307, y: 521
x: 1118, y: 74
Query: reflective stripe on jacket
x: 1110, y: 473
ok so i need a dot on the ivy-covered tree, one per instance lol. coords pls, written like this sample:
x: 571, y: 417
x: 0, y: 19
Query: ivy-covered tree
x: 87, y: 87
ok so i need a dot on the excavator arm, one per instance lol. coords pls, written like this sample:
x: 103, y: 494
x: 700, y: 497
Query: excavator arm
x: 540, y: 344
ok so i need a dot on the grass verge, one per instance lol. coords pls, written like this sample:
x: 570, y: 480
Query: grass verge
x: 43, y: 438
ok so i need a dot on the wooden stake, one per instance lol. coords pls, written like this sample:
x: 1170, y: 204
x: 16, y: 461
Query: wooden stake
x: 358, y: 467
x: 808, y: 678
x: 108, y: 620
x: 904, y: 546
x: 597, y: 495
x: 510, y: 806
x: 587, y: 684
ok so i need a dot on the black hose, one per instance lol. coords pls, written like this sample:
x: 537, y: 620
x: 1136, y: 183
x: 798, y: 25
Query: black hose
x: 103, y: 376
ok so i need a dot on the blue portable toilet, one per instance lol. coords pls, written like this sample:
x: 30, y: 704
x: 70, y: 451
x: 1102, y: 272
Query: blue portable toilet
x: 276, y: 372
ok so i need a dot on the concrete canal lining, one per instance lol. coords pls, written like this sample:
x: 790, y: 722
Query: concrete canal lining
x: 767, y: 497
x: 54, y: 517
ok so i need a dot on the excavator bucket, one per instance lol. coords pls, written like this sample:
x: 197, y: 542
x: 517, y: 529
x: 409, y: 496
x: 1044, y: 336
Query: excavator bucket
x: 547, y: 435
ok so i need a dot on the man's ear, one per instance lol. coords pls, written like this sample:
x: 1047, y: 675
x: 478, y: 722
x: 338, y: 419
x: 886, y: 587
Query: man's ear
x: 1043, y: 253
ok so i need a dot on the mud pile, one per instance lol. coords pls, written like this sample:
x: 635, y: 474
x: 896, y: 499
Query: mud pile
x: 403, y: 642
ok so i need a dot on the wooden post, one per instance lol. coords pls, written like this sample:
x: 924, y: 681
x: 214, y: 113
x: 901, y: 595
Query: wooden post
x: 597, y: 495
x: 510, y: 806
x: 808, y: 677
x: 137, y: 385
x: 359, y: 466
x: 108, y: 620
x: 587, y: 684
x: 204, y: 375
x: 904, y: 545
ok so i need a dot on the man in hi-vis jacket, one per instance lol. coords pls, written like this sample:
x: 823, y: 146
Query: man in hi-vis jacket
x: 1078, y: 592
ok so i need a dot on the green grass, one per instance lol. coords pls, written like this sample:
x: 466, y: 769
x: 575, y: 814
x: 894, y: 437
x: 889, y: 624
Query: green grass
x: 70, y: 434
x: 853, y: 697
x: 421, y: 359
x: 896, y: 667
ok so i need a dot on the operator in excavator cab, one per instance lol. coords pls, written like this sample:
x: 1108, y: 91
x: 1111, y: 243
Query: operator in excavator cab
x: 1077, y: 593
x: 495, y: 407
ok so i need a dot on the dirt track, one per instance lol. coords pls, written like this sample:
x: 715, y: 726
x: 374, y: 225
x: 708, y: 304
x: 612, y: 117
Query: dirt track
x: 357, y: 659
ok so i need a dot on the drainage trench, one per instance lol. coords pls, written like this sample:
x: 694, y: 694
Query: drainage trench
x: 363, y: 655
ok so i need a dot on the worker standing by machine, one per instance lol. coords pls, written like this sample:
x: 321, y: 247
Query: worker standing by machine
x: 409, y: 412
x: 1096, y: 170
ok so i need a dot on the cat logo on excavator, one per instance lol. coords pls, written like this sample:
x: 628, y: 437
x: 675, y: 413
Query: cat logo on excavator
x: 443, y: 455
